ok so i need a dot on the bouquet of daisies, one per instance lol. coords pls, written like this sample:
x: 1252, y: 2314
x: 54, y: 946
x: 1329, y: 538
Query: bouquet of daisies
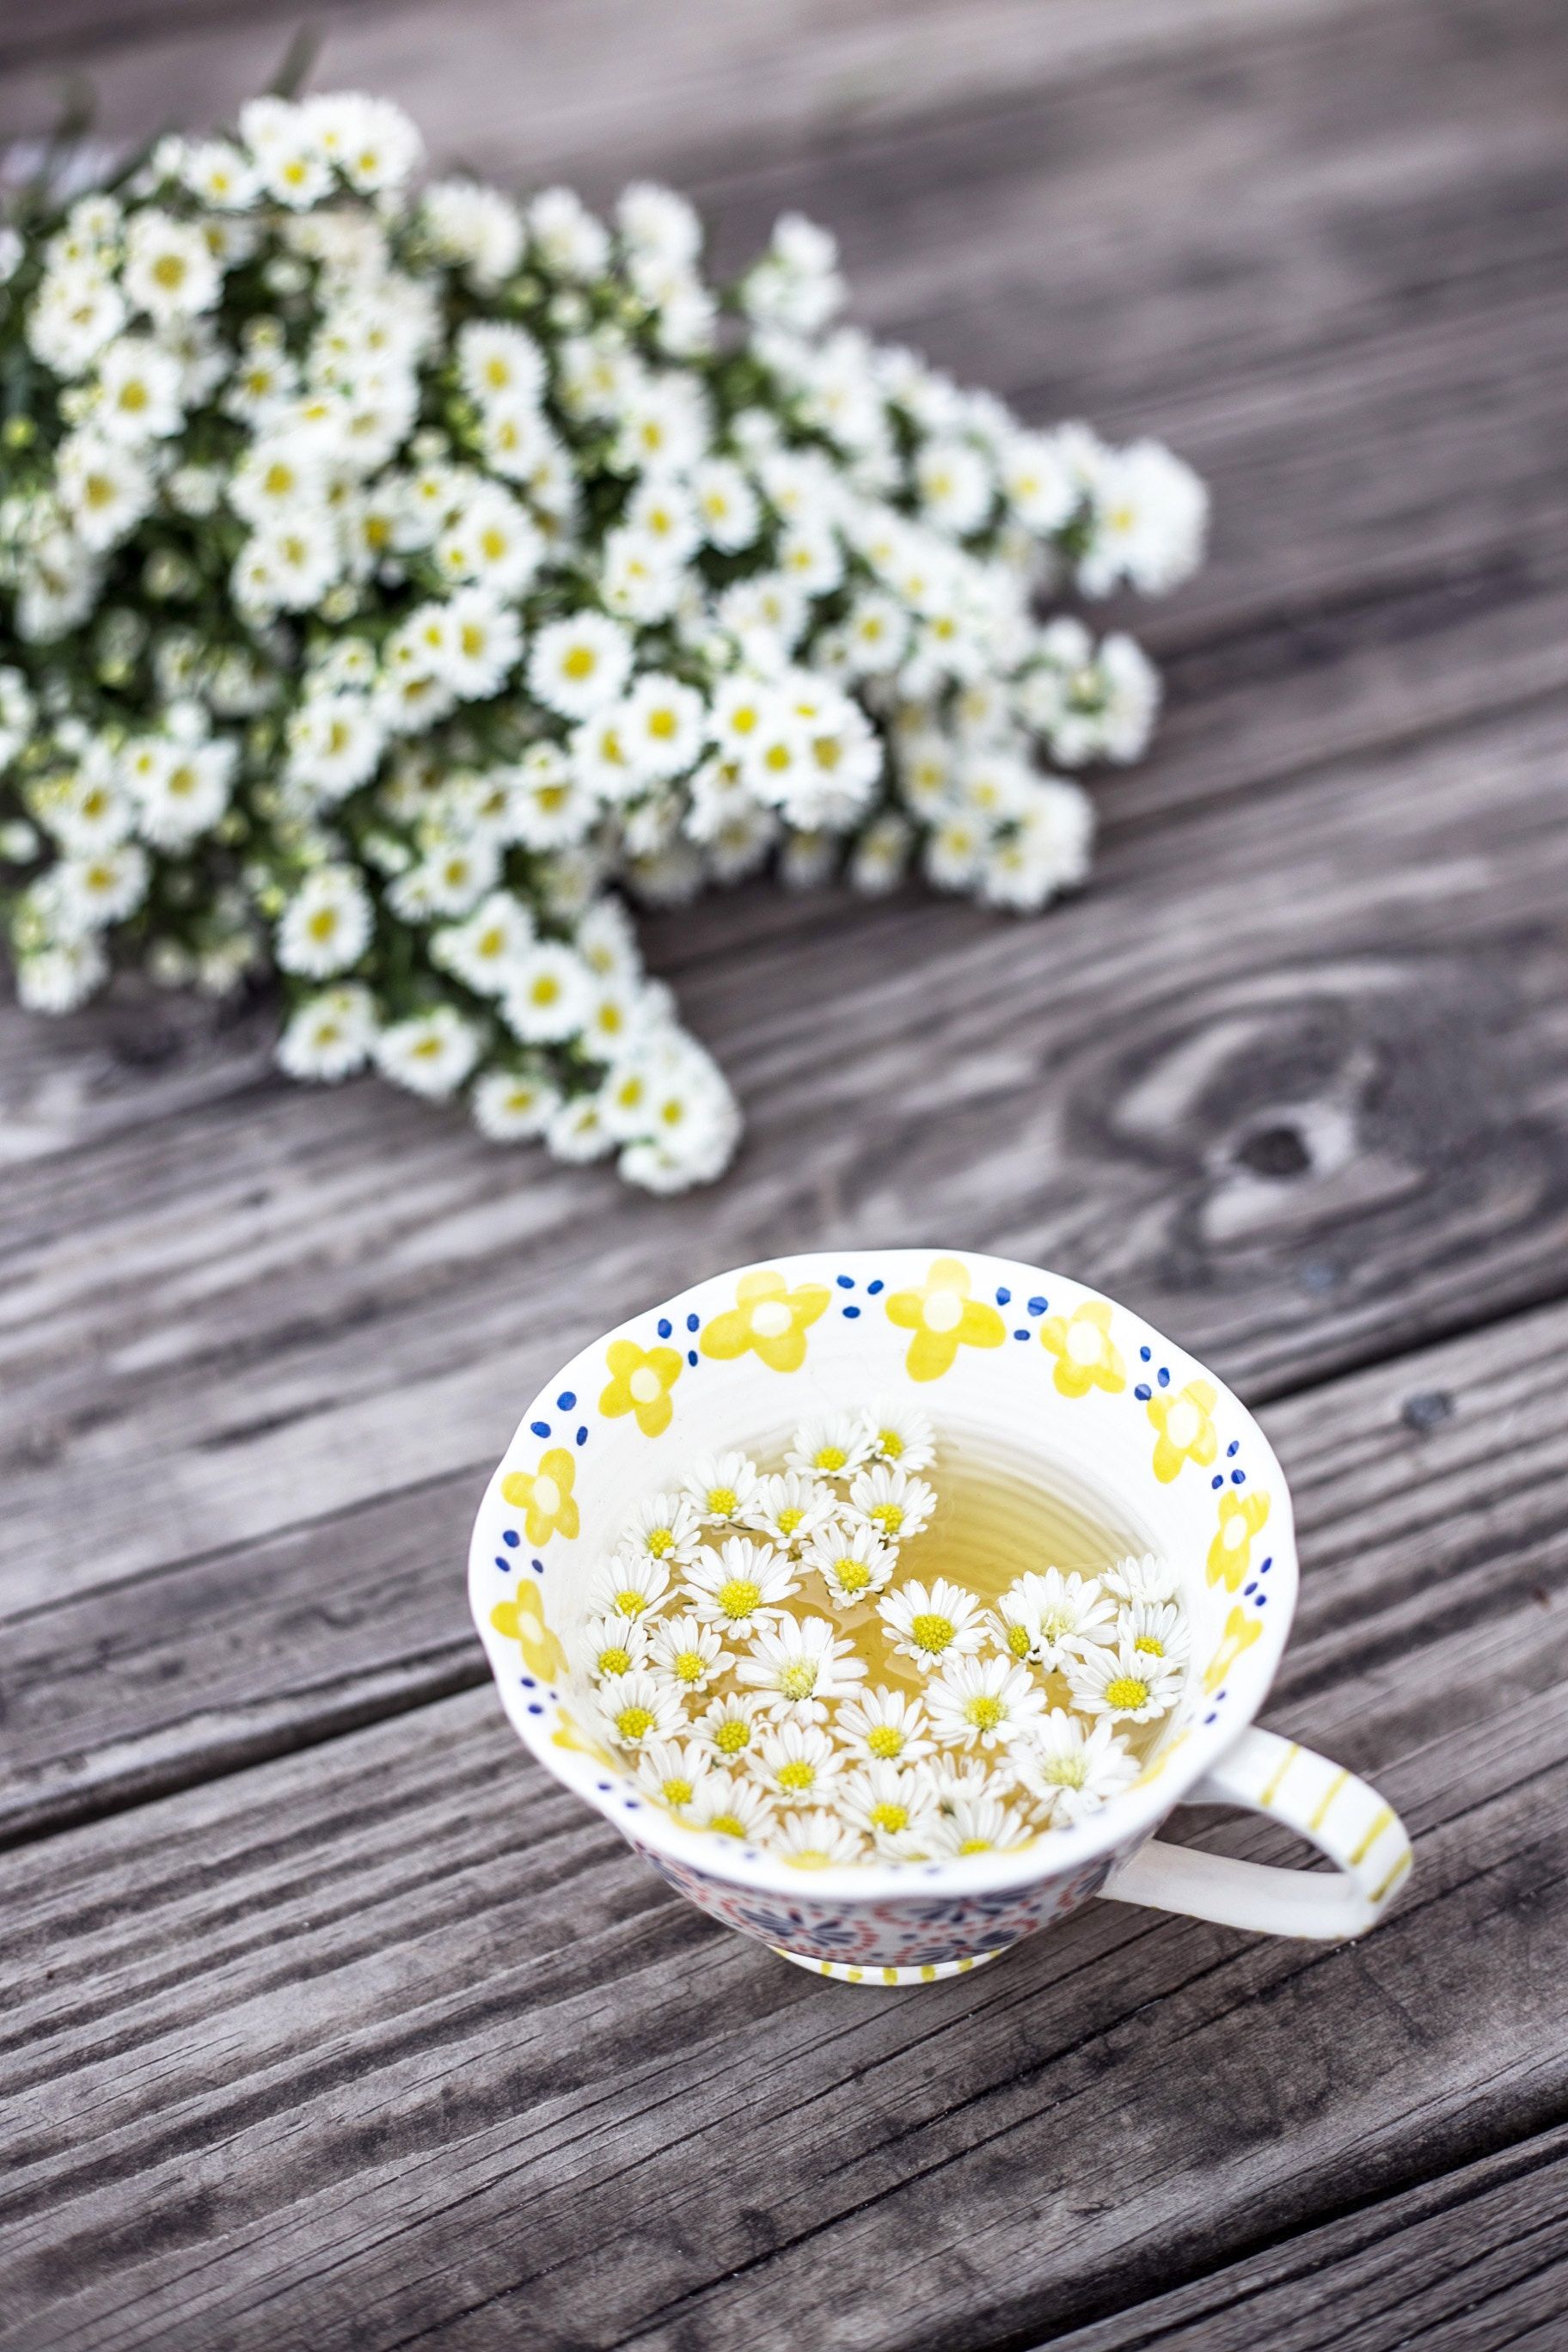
x: 394, y: 578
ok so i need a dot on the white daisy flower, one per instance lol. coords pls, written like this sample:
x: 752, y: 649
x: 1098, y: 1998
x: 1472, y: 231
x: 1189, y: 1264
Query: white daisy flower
x: 815, y: 1840
x: 671, y: 1771
x: 790, y: 1509
x: 852, y: 1562
x: 662, y: 724
x: 833, y: 1446
x: 169, y: 270
x: 690, y: 1652
x: 514, y: 1106
x: 500, y: 362
x: 797, y: 1763
x: 931, y: 1625
x: 330, y: 1036
x: 104, y: 488
x: 183, y: 790
x: 895, y: 1809
x: 486, y: 950
x: 743, y: 1584
x: 1071, y: 1768
x: 577, y: 1132
x: 730, y: 1727
x: 1051, y: 1618
x: 326, y: 925
x: 721, y: 1486
x: 1127, y: 1685
x: 1148, y: 1579
x: 477, y: 228
x: 547, y: 994
x: 58, y: 979
x: 638, y: 1707
x: 980, y: 1825
x: 727, y: 513
x: 138, y: 390
x: 578, y: 666
x: 884, y: 1727
x: 798, y: 1666
x: 890, y: 1498
x: 663, y: 1527
x: 430, y: 1053
x: 1156, y: 1629
x: 968, y: 1775
x: 984, y: 1702
x: 607, y: 1647
x: 632, y: 1585
x: 733, y: 1807
x: 901, y: 1436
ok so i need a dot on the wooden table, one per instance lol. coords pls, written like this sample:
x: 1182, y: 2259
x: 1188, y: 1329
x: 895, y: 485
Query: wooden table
x: 331, y: 2023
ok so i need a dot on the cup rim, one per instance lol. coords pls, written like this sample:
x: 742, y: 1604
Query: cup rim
x: 1117, y: 1827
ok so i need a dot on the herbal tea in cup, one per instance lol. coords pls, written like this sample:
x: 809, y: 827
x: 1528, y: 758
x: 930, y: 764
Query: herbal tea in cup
x: 887, y: 1602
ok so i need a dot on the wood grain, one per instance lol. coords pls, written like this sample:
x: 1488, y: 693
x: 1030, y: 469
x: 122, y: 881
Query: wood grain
x: 1475, y: 2261
x: 382, y: 2042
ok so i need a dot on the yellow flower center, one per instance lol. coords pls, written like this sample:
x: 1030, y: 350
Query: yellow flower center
x: 889, y: 1516
x: 727, y: 1825
x: 1127, y: 1691
x: 661, y: 723
x: 885, y: 1742
x: 581, y: 662
x: 985, y: 1712
x: 689, y: 1667
x: 731, y: 1738
x: 677, y: 1792
x: 851, y: 1575
x: 634, y: 1722
x: 722, y: 1501
x: 661, y: 1540
x: 1151, y: 1644
x: 1018, y: 1641
x: 798, y: 1681
x: 738, y: 1596
x: 614, y: 1662
x: 890, y: 1817
x: 789, y: 1519
x: 930, y: 1632
x: 323, y: 923
x: 798, y: 1775
x: 169, y: 269
x: 629, y: 1603
x: 1064, y: 1771
x: 829, y: 1458
x: 974, y: 1845
x: 890, y: 1444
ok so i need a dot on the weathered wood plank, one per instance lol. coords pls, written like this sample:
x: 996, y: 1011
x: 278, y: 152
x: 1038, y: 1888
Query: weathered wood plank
x: 1344, y: 963
x: 1472, y: 2262
x: 387, y: 2040
x: 118, y: 1692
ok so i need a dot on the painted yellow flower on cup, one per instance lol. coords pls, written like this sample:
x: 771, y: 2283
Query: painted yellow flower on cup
x: 522, y: 1621
x: 1241, y: 1630
x: 943, y: 1317
x: 1230, y: 1554
x: 1086, y: 1356
x: 768, y: 1317
x: 544, y: 1497
x: 640, y: 1382
x: 1184, y: 1419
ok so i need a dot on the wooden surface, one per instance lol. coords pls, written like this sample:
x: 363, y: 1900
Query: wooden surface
x: 328, y: 2020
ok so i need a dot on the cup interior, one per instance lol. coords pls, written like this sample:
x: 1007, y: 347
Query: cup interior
x: 1028, y: 1379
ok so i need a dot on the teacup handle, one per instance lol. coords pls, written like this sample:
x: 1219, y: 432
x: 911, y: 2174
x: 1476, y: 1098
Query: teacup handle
x: 1362, y: 1837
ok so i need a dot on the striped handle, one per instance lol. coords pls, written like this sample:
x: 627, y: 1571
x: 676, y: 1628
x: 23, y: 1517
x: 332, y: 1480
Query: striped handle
x: 1363, y: 1837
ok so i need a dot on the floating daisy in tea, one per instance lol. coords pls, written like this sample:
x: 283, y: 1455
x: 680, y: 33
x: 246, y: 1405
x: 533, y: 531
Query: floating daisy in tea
x: 830, y: 1657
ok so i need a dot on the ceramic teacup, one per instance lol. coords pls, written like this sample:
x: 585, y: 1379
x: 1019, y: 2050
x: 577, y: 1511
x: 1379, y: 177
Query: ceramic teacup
x: 1014, y: 1366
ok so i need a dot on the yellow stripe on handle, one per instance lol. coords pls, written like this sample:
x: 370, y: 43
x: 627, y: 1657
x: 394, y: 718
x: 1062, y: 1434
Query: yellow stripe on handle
x: 1379, y: 1823
x: 1400, y: 1867
x: 1327, y: 1799
x: 1272, y: 1791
